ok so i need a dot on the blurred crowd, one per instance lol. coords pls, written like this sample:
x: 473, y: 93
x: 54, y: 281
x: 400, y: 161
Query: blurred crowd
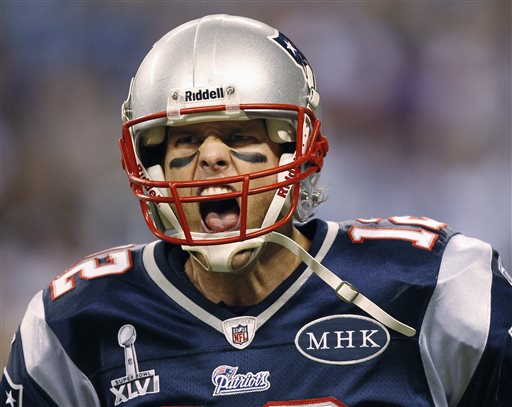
x: 416, y: 105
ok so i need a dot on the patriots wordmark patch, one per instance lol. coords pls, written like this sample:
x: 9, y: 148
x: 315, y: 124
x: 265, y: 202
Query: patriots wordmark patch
x: 239, y: 331
x: 227, y: 381
x: 135, y: 383
x: 14, y: 394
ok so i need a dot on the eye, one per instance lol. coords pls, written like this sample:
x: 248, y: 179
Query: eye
x: 240, y: 139
x: 187, y: 140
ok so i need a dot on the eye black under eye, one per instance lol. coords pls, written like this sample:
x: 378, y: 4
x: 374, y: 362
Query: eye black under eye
x: 180, y: 162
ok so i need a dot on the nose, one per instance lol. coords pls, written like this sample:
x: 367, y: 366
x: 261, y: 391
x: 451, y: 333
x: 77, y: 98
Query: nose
x: 213, y: 155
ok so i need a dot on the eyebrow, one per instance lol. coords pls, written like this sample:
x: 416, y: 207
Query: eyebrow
x: 181, y: 161
x: 254, y: 158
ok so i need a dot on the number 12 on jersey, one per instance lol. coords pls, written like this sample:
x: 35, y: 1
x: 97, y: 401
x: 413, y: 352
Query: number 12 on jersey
x: 111, y: 262
x: 420, y: 237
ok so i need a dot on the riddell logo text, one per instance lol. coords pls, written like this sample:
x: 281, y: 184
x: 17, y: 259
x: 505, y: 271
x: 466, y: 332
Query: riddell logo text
x: 283, y: 191
x: 151, y: 191
x: 204, y: 94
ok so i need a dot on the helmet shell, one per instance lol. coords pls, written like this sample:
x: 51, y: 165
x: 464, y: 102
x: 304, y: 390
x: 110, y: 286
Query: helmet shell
x: 223, y: 67
x: 219, y: 50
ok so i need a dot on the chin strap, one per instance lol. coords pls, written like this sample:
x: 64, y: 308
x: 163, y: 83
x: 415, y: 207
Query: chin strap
x: 344, y: 290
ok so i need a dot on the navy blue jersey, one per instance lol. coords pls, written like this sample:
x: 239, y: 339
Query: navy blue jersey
x: 126, y: 327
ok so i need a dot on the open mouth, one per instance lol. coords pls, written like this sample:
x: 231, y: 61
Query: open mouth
x: 220, y: 215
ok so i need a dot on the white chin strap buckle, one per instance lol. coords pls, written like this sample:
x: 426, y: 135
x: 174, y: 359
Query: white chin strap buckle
x: 219, y: 258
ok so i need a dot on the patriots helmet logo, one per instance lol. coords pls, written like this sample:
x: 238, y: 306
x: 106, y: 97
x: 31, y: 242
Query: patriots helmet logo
x: 292, y: 50
x: 301, y: 61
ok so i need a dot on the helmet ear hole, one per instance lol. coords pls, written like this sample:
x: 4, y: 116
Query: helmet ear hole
x: 152, y: 155
x: 280, y: 131
x: 152, y: 146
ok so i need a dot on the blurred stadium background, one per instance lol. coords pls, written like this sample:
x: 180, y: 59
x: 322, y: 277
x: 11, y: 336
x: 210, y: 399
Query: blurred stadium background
x: 416, y: 104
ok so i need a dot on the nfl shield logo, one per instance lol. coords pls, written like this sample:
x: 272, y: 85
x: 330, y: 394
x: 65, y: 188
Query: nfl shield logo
x: 240, y: 331
x: 240, y: 334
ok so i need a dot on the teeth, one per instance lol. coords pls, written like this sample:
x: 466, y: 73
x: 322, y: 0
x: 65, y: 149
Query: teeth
x: 215, y: 191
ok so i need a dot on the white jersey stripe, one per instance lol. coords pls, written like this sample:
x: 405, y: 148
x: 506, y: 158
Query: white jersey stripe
x: 456, y: 324
x: 176, y: 295
x: 48, y: 364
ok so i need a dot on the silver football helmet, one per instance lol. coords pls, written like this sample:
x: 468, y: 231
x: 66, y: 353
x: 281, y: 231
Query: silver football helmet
x: 220, y: 68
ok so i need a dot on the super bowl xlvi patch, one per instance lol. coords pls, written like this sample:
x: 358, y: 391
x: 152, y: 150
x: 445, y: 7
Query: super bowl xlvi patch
x: 228, y: 382
x: 239, y: 331
x: 135, y: 383
x: 13, y: 394
x: 342, y: 339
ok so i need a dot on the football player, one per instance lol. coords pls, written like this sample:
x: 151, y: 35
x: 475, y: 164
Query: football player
x: 237, y: 305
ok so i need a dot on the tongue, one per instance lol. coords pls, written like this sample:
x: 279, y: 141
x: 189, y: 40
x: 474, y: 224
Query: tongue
x: 220, y: 222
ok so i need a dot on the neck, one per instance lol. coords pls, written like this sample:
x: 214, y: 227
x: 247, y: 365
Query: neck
x: 248, y: 286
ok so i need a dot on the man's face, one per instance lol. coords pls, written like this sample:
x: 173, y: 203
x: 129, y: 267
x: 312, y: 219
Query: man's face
x: 215, y: 150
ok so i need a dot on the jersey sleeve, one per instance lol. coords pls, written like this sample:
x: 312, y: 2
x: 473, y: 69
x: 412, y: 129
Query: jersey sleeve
x: 465, y: 338
x: 39, y: 372
x: 17, y: 388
